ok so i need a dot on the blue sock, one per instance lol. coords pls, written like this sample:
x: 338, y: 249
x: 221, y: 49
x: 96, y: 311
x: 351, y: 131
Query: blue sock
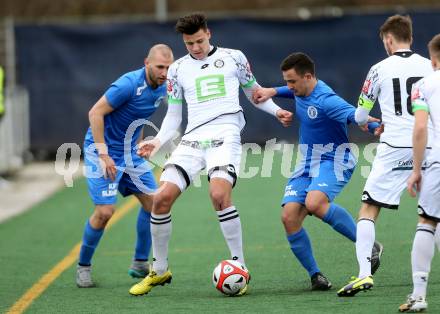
x: 143, y: 242
x: 340, y: 219
x: 90, y: 241
x: 301, y: 247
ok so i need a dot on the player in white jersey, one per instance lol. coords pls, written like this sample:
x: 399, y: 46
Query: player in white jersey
x: 389, y: 82
x: 209, y: 79
x: 426, y: 106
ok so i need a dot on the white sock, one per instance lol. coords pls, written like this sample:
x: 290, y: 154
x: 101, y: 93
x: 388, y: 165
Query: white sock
x: 231, y: 227
x: 437, y: 236
x: 160, y: 236
x: 421, y: 257
x: 365, y: 235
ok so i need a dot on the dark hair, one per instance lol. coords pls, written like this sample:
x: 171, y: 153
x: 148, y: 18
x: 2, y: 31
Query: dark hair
x: 191, y: 24
x: 399, y: 26
x: 434, y: 47
x: 300, y: 62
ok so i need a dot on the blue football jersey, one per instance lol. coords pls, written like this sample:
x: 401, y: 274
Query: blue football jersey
x: 132, y: 99
x: 323, y: 117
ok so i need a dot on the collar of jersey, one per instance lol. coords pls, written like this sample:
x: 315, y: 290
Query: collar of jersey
x: 404, y: 53
x: 312, y: 94
x: 213, y: 50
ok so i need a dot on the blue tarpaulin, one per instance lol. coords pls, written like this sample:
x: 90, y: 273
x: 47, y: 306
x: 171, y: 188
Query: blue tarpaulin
x: 66, y: 68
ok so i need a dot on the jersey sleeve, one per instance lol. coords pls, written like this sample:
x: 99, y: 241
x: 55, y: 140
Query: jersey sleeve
x: 120, y: 92
x: 418, y: 97
x: 370, y: 89
x: 284, y: 92
x: 174, y: 89
x: 244, y: 72
x: 339, y: 110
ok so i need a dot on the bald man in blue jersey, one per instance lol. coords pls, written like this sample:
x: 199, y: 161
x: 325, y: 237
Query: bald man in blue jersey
x: 327, y: 162
x: 111, y: 162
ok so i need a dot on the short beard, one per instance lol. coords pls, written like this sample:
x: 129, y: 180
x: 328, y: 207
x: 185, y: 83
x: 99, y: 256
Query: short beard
x: 154, y: 83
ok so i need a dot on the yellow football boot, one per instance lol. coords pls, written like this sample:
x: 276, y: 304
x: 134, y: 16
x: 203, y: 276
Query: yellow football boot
x: 356, y: 285
x: 151, y: 281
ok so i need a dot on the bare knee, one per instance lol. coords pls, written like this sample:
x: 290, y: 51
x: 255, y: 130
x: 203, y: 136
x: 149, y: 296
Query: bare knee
x: 315, y: 206
x: 146, y: 201
x: 292, y: 218
x: 165, y: 198
x: 220, y: 191
x: 317, y: 203
x: 220, y: 199
x: 101, y: 216
x: 288, y: 219
x: 162, y: 202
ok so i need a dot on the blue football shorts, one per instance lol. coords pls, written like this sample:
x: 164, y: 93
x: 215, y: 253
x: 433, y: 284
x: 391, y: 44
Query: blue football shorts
x: 133, y: 176
x: 326, y: 178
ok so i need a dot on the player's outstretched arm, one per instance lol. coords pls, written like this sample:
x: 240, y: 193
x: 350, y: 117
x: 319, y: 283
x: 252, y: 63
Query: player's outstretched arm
x: 366, y: 122
x: 250, y: 86
x: 361, y: 115
x: 262, y: 94
x: 367, y: 98
x: 169, y: 127
x: 340, y: 110
x: 373, y: 125
x: 284, y: 116
x: 148, y: 148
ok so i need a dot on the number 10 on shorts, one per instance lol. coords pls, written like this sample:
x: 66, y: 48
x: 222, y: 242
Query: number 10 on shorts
x: 210, y: 87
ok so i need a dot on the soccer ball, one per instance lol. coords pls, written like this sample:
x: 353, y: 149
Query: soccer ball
x: 229, y: 277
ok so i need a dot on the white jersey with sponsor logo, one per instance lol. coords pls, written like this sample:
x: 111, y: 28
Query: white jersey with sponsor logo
x: 210, y: 86
x: 390, y: 82
x: 426, y: 96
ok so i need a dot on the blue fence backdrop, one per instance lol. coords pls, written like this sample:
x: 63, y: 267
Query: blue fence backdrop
x: 66, y: 68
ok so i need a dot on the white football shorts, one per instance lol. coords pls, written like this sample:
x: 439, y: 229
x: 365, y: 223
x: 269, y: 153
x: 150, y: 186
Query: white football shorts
x: 219, y: 154
x: 387, y: 180
x: 429, y: 198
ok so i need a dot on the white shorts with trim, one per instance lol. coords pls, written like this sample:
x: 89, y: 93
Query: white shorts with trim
x: 429, y: 198
x: 191, y: 160
x: 387, y: 180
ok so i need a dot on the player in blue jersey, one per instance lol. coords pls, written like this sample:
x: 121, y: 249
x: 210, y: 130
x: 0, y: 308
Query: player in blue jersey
x: 111, y: 161
x: 327, y: 162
